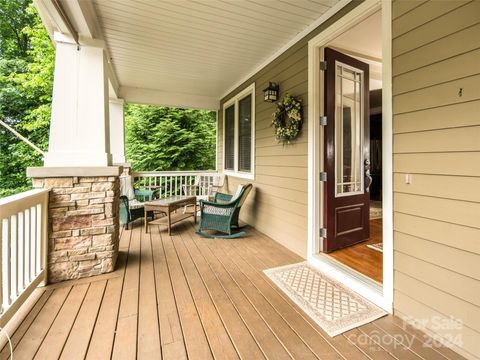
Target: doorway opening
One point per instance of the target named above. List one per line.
(350, 208)
(353, 101)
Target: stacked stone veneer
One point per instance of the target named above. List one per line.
(83, 225)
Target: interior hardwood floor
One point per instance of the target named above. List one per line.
(183, 296)
(361, 258)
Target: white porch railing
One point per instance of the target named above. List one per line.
(170, 183)
(23, 251)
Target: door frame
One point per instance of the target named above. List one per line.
(379, 295)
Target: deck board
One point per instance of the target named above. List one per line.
(292, 342)
(148, 328)
(308, 334)
(217, 335)
(192, 328)
(267, 340)
(52, 344)
(171, 337)
(79, 338)
(242, 338)
(182, 296)
(33, 338)
(25, 325)
(125, 342)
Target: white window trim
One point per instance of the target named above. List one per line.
(250, 90)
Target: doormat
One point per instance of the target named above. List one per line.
(376, 247)
(334, 307)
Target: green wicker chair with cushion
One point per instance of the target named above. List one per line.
(131, 210)
(131, 201)
(222, 214)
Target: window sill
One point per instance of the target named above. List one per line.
(241, 175)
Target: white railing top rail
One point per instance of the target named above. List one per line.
(13, 204)
(172, 173)
(169, 183)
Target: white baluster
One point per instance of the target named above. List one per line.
(33, 237)
(26, 264)
(13, 257)
(38, 244)
(21, 252)
(6, 263)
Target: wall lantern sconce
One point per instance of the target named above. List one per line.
(270, 94)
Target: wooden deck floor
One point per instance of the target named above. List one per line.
(187, 297)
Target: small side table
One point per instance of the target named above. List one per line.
(168, 206)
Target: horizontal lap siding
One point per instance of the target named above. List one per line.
(436, 106)
(277, 205)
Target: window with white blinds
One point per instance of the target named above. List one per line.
(230, 138)
(245, 134)
(239, 132)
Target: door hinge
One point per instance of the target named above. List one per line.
(323, 232)
(323, 120)
(323, 176)
(323, 65)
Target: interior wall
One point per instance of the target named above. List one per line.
(277, 205)
(436, 124)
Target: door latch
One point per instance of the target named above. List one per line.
(323, 176)
(323, 232)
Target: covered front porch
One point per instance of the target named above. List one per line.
(183, 296)
(76, 284)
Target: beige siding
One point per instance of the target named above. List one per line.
(278, 203)
(436, 106)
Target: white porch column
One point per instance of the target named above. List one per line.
(117, 131)
(79, 128)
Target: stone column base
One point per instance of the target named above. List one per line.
(83, 221)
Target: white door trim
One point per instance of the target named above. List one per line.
(381, 296)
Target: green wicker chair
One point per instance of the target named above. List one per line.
(131, 210)
(222, 214)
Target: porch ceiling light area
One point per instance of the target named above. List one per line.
(201, 48)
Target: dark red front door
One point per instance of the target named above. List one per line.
(346, 197)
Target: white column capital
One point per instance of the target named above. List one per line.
(59, 37)
(116, 101)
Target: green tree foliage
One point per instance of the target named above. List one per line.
(26, 79)
(157, 138)
(166, 139)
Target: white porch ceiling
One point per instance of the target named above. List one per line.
(186, 53)
(200, 48)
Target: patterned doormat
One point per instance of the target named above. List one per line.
(330, 304)
(377, 247)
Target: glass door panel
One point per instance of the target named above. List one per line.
(348, 130)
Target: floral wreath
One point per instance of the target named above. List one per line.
(287, 119)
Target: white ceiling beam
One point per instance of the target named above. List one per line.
(165, 98)
(52, 19)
